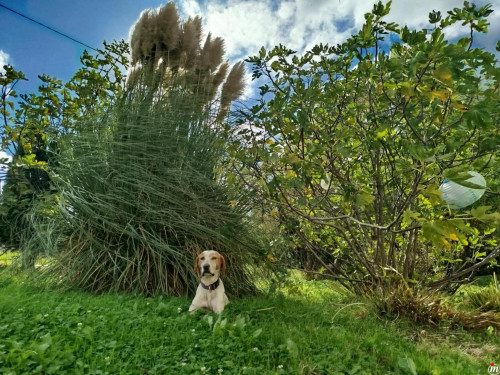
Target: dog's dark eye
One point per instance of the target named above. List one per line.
(214, 258)
(202, 258)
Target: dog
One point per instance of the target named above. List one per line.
(210, 294)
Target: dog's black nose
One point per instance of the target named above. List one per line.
(206, 267)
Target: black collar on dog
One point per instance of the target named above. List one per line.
(211, 286)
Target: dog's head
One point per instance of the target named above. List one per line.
(210, 263)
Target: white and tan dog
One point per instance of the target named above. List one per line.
(210, 294)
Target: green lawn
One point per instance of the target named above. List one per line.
(307, 330)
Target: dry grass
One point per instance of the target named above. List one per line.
(427, 309)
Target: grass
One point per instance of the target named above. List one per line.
(140, 194)
(483, 294)
(6, 259)
(307, 330)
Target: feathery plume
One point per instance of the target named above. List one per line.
(203, 60)
(212, 53)
(167, 29)
(190, 40)
(218, 78)
(234, 86)
(173, 51)
(141, 42)
(217, 51)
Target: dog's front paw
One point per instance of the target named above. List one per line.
(218, 310)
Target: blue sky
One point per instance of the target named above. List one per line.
(36, 50)
(246, 25)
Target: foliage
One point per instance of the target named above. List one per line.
(349, 144)
(294, 285)
(40, 118)
(36, 129)
(53, 332)
(7, 258)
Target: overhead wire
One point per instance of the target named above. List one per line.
(58, 32)
(48, 27)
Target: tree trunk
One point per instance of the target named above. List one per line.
(391, 256)
(412, 249)
(407, 254)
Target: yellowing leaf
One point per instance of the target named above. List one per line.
(433, 194)
(443, 74)
(440, 94)
(459, 106)
(409, 216)
(364, 198)
(453, 237)
(491, 218)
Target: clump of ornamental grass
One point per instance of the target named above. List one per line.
(141, 195)
(141, 187)
(426, 308)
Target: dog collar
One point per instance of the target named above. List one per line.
(211, 286)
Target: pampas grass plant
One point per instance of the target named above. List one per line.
(139, 198)
(141, 187)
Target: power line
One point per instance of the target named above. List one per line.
(50, 28)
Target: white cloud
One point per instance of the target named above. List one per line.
(4, 59)
(4, 166)
(190, 8)
(4, 160)
(246, 25)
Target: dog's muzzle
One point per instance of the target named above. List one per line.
(206, 271)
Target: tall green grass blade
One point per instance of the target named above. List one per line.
(139, 198)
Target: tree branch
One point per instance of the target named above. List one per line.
(447, 280)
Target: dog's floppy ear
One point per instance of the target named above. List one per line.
(222, 265)
(197, 265)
